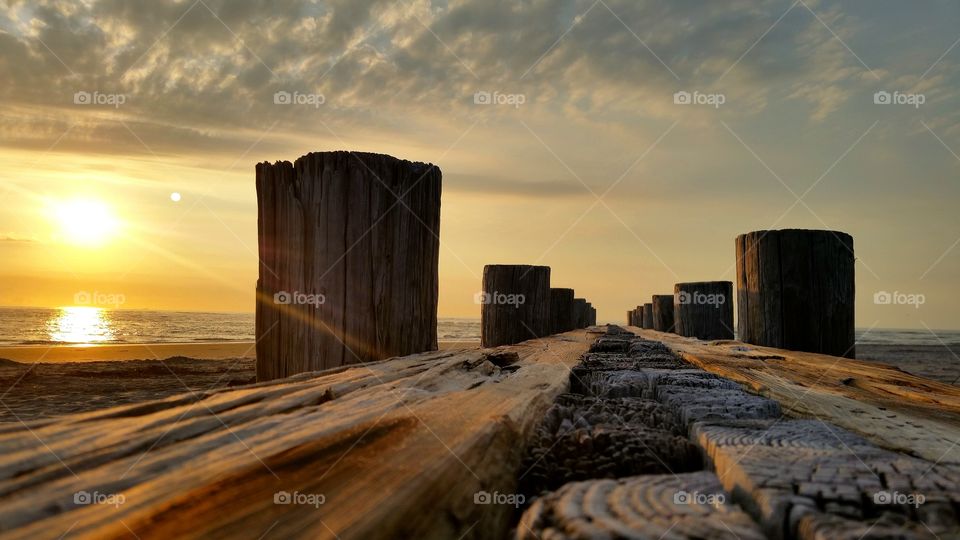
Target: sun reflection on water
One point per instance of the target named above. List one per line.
(80, 325)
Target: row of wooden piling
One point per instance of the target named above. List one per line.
(346, 277)
(518, 304)
(795, 290)
(702, 309)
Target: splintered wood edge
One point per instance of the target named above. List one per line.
(892, 408)
(382, 443)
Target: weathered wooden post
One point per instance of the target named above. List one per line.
(561, 310)
(593, 316)
(516, 304)
(647, 316)
(638, 316)
(796, 290)
(579, 312)
(630, 317)
(663, 312)
(704, 309)
(347, 274)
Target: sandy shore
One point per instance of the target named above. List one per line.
(42, 382)
(931, 361)
(37, 382)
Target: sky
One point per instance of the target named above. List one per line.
(803, 114)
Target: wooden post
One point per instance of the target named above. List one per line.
(579, 312)
(589, 315)
(638, 316)
(516, 304)
(630, 317)
(593, 316)
(796, 290)
(347, 274)
(663, 312)
(648, 316)
(704, 309)
(561, 310)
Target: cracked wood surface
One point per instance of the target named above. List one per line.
(395, 448)
(892, 408)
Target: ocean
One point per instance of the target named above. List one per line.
(71, 326)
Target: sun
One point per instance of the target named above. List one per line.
(85, 222)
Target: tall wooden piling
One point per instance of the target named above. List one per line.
(663, 312)
(638, 316)
(516, 304)
(704, 309)
(796, 290)
(347, 274)
(629, 317)
(561, 310)
(648, 316)
(593, 316)
(579, 312)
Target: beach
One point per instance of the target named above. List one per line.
(43, 382)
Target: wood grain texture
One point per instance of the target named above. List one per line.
(641, 507)
(580, 312)
(704, 309)
(891, 408)
(796, 290)
(398, 449)
(561, 310)
(647, 320)
(340, 287)
(516, 304)
(663, 312)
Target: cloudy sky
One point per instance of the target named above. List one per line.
(584, 161)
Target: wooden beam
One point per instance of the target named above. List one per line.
(395, 448)
(891, 408)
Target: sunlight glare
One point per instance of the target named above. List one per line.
(80, 325)
(85, 222)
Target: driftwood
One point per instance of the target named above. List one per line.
(516, 304)
(349, 246)
(795, 290)
(397, 448)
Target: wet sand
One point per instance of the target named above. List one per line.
(935, 362)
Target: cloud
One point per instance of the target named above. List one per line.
(201, 78)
